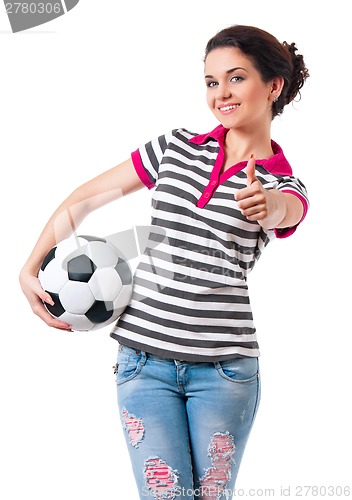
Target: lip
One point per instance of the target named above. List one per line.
(226, 109)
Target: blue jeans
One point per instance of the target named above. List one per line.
(186, 423)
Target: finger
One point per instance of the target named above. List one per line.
(250, 170)
(255, 213)
(257, 216)
(36, 298)
(45, 297)
(43, 314)
(249, 192)
(251, 202)
(34, 287)
(244, 193)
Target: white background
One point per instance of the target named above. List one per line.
(78, 94)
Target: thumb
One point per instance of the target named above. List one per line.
(250, 170)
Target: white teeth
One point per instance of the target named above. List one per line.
(228, 108)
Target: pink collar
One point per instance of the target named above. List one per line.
(276, 164)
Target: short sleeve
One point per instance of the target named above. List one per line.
(147, 159)
(292, 185)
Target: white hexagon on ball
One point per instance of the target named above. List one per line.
(105, 284)
(102, 254)
(53, 277)
(76, 297)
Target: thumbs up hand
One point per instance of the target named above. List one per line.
(257, 203)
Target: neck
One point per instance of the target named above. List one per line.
(240, 145)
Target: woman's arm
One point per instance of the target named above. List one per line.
(110, 185)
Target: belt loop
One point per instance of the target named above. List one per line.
(144, 357)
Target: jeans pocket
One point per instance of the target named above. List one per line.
(238, 370)
(129, 364)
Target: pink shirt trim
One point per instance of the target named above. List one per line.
(138, 165)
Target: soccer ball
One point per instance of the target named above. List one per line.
(89, 281)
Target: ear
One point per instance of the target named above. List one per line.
(276, 86)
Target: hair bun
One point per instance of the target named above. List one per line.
(299, 72)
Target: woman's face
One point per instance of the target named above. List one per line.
(236, 93)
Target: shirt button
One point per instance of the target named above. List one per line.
(213, 183)
(207, 195)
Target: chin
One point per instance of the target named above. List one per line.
(228, 123)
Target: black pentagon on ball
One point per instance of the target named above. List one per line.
(100, 311)
(48, 258)
(80, 268)
(57, 308)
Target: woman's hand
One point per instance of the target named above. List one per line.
(35, 294)
(270, 207)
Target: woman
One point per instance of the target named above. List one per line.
(187, 367)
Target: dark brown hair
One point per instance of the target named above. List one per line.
(270, 57)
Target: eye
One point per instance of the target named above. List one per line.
(237, 79)
(211, 84)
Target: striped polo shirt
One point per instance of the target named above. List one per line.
(190, 299)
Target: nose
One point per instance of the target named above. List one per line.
(223, 92)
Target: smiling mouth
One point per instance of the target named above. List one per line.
(226, 109)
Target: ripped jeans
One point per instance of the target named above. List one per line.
(186, 423)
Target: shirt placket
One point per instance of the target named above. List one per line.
(214, 179)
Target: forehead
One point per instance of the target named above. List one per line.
(224, 58)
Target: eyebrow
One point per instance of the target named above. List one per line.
(229, 71)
